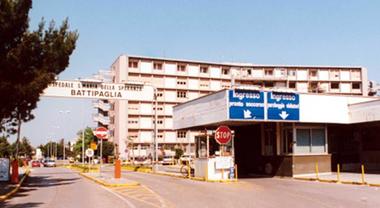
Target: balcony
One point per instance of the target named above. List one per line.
(102, 105)
(101, 119)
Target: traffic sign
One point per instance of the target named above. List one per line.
(223, 135)
(246, 104)
(101, 132)
(93, 145)
(89, 152)
(283, 106)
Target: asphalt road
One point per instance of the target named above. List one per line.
(259, 192)
(59, 187)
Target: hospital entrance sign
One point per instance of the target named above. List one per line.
(246, 104)
(94, 89)
(283, 106)
(260, 105)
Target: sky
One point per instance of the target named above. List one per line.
(331, 32)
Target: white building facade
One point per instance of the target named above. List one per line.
(131, 122)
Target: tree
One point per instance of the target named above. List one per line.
(29, 61)
(88, 138)
(5, 147)
(25, 148)
(108, 149)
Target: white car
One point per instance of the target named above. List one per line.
(168, 160)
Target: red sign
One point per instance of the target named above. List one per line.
(101, 132)
(223, 135)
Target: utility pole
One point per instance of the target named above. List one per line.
(63, 144)
(155, 128)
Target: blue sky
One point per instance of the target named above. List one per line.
(263, 32)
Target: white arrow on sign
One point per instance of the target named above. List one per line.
(283, 115)
(247, 114)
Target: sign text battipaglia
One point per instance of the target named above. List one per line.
(95, 90)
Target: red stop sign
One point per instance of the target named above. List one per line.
(101, 132)
(223, 135)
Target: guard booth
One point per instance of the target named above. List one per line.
(280, 132)
(214, 158)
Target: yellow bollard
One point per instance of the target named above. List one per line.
(338, 173)
(236, 172)
(206, 173)
(316, 171)
(188, 169)
(363, 180)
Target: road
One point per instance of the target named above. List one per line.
(58, 187)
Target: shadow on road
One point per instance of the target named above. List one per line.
(22, 205)
(33, 183)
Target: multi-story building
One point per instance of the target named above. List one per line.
(131, 122)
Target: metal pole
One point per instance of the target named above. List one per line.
(63, 144)
(101, 156)
(83, 146)
(155, 127)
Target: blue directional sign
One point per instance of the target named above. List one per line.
(283, 106)
(246, 104)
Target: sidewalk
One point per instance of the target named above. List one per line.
(108, 180)
(7, 188)
(355, 178)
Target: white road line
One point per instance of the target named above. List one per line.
(129, 203)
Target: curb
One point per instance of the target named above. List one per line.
(98, 181)
(180, 176)
(9, 194)
(337, 182)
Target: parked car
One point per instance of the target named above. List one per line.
(168, 160)
(49, 163)
(184, 159)
(36, 163)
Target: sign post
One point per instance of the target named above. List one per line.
(89, 154)
(223, 135)
(101, 133)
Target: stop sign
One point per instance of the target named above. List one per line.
(101, 132)
(223, 135)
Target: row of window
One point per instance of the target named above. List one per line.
(180, 134)
(334, 73)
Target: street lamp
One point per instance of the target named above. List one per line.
(63, 139)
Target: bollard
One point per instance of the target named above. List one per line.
(316, 171)
(338, 173)
(206, 173)
(363, 180)
(117, 168)
(188, 169)
(236, 172)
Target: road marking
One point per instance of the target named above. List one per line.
(129, 203)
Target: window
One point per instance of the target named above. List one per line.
(313, 73)
(310, 140)
(181, 134)
(159, 122)
(268, 72)
(160, 94)
(292, 72)
(157, 66)
(249, 71)
(268, 84)
(132, 121)
(181, 94)
(225, 71)
(292, 85)
(335, 85)
(181, 82)
(133, 63)
(181, 68)
(356, 86)
(204, 69)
